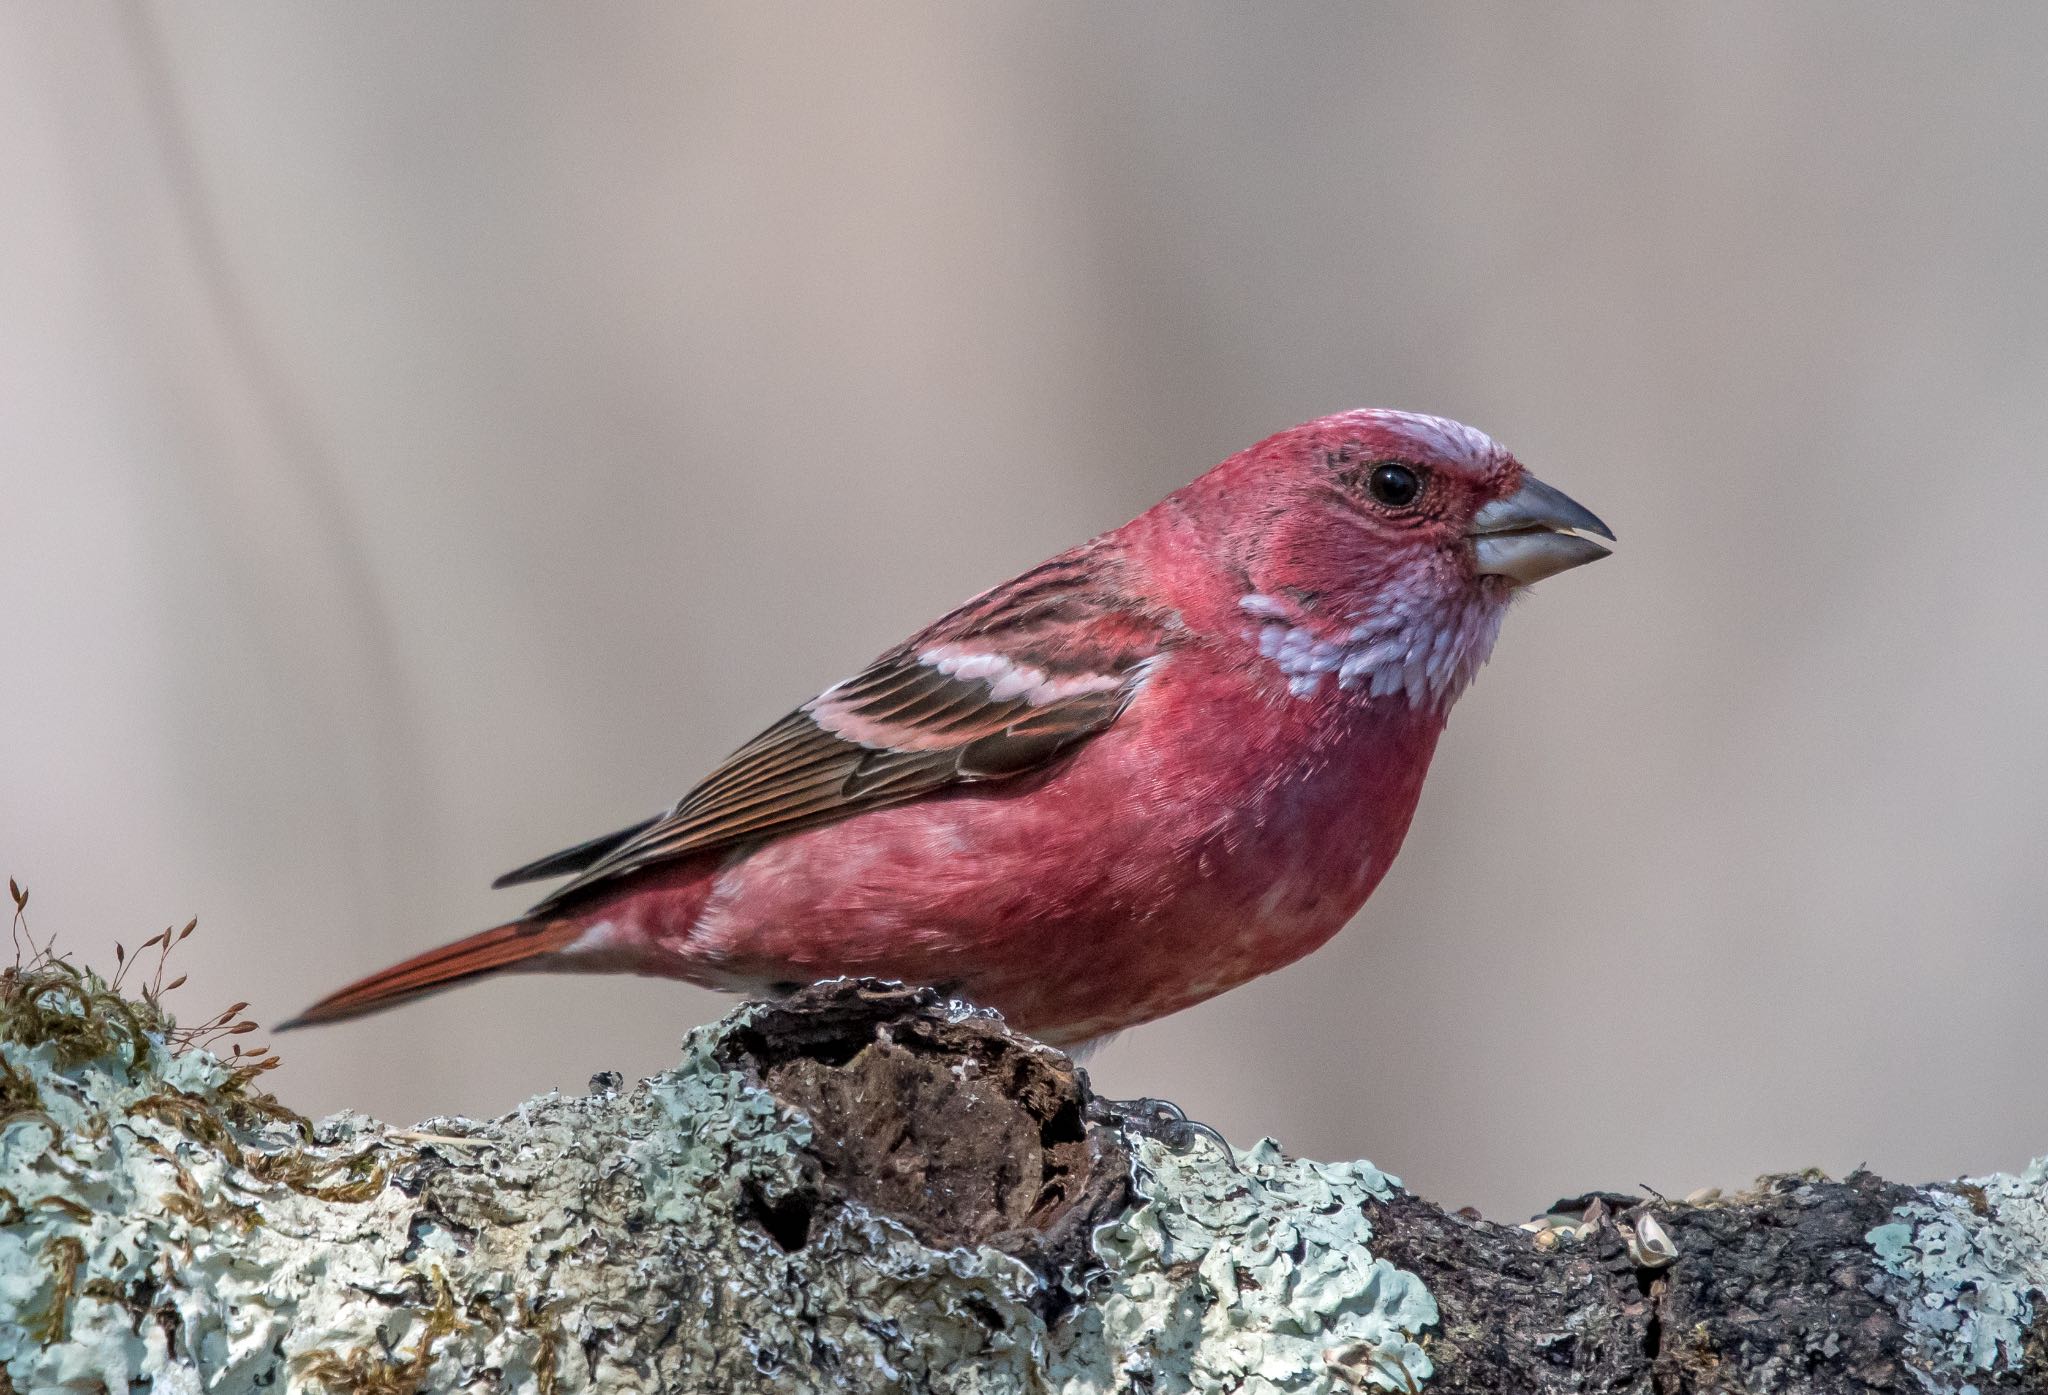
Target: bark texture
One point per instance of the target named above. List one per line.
(869, 1189)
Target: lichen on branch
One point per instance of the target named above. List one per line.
(867, 1188)
(962, 1226)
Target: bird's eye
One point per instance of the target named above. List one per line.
(1396, 486)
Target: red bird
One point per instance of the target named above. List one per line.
(1170, 760)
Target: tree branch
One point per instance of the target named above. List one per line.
(867, 1189)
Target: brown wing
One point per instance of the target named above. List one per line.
(1001, 686)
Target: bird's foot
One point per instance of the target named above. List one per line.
(1167, 1123)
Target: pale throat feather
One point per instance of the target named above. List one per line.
(1411, 642)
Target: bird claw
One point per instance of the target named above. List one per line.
(1165, 1122)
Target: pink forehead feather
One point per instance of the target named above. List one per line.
(1442, 438)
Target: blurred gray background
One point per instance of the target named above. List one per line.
(434, 434)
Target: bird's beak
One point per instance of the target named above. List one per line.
(1534, 533)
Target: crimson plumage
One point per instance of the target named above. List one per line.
(1167, 761)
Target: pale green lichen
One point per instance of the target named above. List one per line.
(1255, 1277)
(159, 1232)
(1969, 1262)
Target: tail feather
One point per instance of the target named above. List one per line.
(500, 947)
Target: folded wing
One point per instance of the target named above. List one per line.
(1011, 681)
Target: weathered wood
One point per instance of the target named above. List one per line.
(868, 1189)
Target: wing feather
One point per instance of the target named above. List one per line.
(1068, 644)
(573, 859)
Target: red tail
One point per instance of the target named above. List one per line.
(498, 948)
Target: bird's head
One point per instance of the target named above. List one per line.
(1378, 549)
